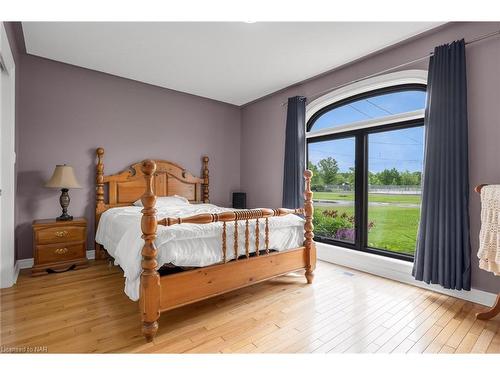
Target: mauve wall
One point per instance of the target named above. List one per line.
(68, 111)
(263, 122)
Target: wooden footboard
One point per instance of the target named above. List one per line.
(170, 291)
(191, 286)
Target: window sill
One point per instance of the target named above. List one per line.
(394, 269)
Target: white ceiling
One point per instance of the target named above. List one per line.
(234, 62)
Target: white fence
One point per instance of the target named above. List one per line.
(376, 189)
(395, 189)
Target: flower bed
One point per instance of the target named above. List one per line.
(330, 223)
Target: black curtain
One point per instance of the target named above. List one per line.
(295, 148)
(443, 247)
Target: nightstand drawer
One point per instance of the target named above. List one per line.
(65, 233)
(59, 253)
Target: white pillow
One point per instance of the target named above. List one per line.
(174, 200)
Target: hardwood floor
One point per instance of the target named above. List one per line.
(343, 311)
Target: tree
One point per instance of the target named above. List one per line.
(410, 178)
(351, 175)
(316, 178)
(328, 168)
(373, 178)
(344, 178)
(389, 177)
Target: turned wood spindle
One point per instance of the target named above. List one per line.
(247, 239)
(267, 235)
(100, 177)
(205, 180)
(235, 239)
(308, 228)
(224, 249)
(150, 278)
(257, 234)
(100, 205)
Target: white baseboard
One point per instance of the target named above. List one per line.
(394, 269)
(17, 268)
(28, 263)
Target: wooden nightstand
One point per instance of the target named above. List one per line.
(59, 246)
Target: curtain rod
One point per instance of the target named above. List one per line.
(317, 95)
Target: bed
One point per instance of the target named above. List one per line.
(156, 221)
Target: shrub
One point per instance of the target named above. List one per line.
(329, 223)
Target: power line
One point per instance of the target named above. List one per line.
(360, 111)
(379, 107)
(396, 144)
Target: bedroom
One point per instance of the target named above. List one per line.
(179, 142)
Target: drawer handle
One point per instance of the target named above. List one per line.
(62, 250)
(62, 233)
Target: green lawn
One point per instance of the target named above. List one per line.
(395, 227)
(373, 197)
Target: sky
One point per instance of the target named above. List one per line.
(400, 149)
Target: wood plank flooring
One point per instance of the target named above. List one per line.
(344, 311)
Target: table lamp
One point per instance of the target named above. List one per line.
(63, 178)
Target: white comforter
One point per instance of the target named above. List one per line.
(185, 245)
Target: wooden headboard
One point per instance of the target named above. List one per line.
(124, 188)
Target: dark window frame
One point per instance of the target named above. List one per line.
(361, 167)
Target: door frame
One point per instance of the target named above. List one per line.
(7, 162)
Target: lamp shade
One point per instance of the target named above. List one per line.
(63, 178)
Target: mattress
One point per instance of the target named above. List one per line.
(185, 245)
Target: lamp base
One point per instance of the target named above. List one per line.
(64, 217)
(64, 201)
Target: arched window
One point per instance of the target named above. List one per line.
(365, 147)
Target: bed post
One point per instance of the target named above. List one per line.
(205, 180)
(100, 206)
(150, 278)
(309, 227)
